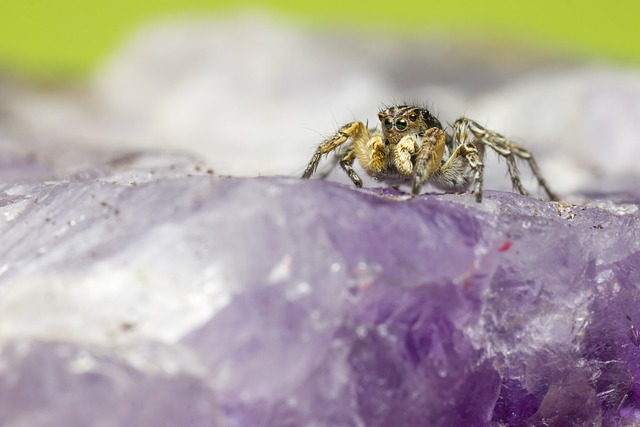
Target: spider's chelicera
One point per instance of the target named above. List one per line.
(414, 148)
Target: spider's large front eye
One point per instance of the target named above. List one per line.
(387, 124)
(401, 124)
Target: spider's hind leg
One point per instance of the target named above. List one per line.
(515, 174)
(505, 148)
(526, 155)
(474, 159)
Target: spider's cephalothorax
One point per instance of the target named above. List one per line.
(414, 148)
(398, 122)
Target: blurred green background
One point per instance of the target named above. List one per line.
(70, 37)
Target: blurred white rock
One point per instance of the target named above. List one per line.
(254, 95)
(584, 121)
(248, 94)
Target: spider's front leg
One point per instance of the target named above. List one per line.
(355, 130)
(428, 158)
(347, 166)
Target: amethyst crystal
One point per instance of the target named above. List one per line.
(149, 292)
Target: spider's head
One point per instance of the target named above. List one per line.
(405, 120)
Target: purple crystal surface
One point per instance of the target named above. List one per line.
(171, 296)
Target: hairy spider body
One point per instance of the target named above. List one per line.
(413, 148)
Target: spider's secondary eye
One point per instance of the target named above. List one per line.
(387, 124)
(413, 117)
(401, 124)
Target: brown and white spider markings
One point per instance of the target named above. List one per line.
(413, 148)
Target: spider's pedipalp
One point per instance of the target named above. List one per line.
(371, 153)
(403, 152)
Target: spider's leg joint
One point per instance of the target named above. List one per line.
(470, 152)
(347, 166)
(350, 130)
(466, 130)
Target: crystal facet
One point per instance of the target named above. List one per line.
(135, 297)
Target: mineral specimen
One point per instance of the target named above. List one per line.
(149, 292)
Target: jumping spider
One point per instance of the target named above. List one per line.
(414, 148)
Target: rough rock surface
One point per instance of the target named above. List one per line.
(149, 291)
